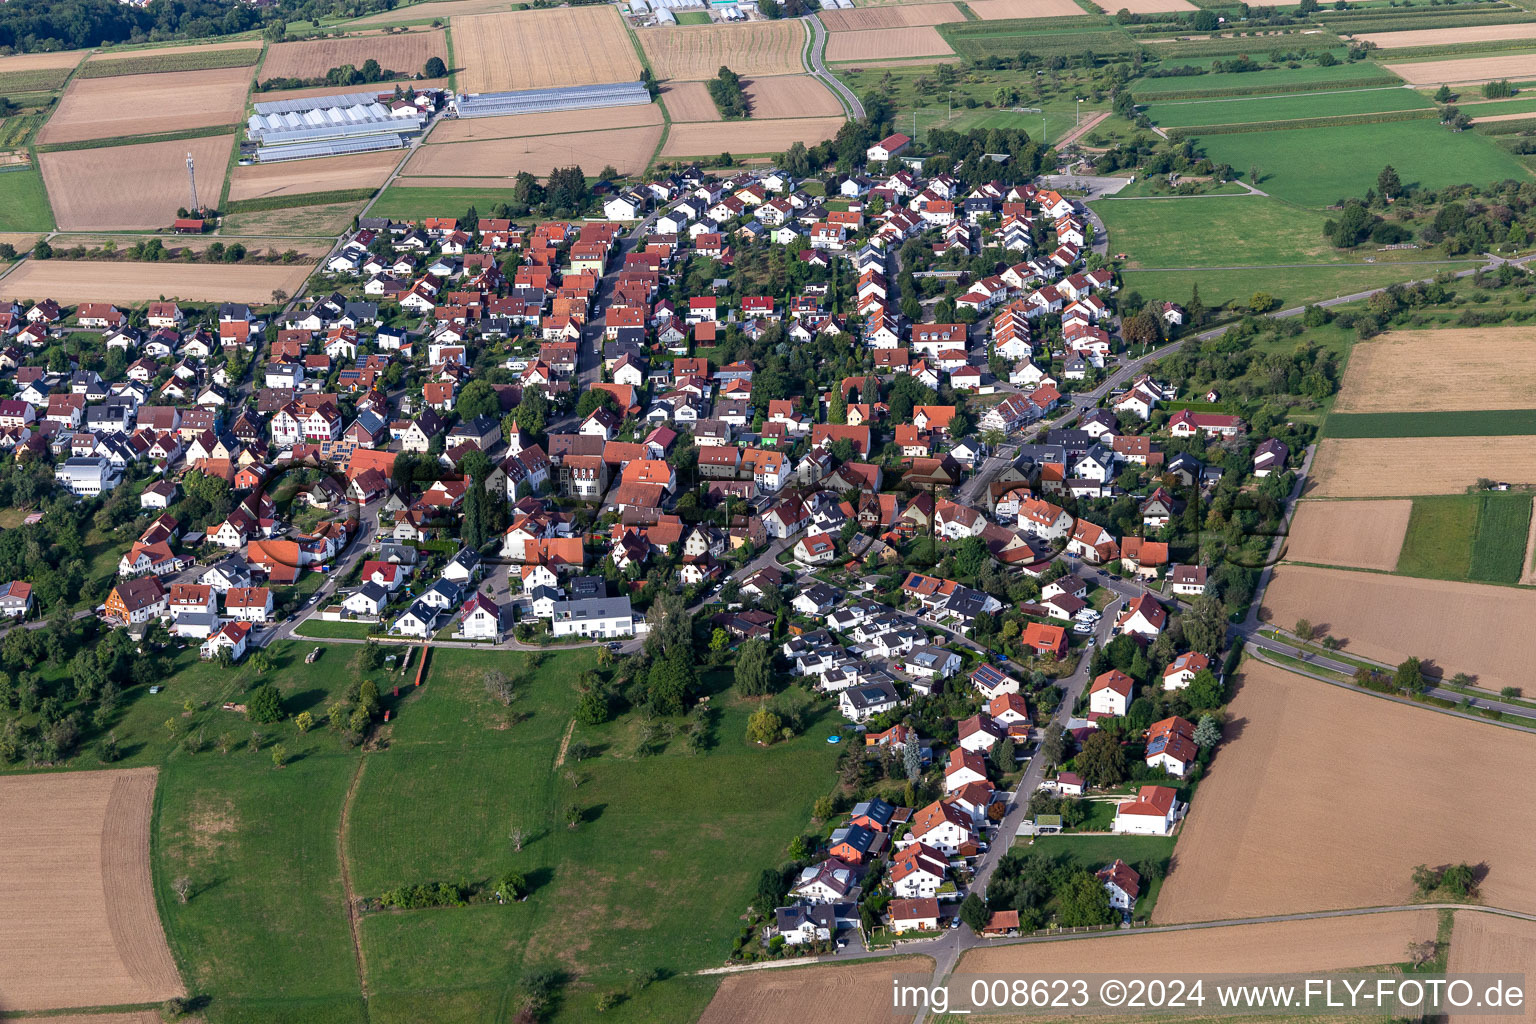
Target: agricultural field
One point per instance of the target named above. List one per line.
(1008, 10)
(81, 925)
(36, 72)
(983, 39)
(1233, 230)
(1489, 943)
(435, 9)
(1357, 851)
(516, 126)
(1317, 167)
(330, 90)
(207, 56)
(1463, 69)
(743, 137)
(1348, 467)
(104, 108)
(1336, 944)
(865, 18)
(1478, 537)
(1461, 627)
(628, 150)
(923, 41)
(129, 187)
(1447, 36)
(789, 96)
(24, 202)
(831, 994)
(1341, 76)
(1487, 368)
(1146, 6)
(543, 49)
(135, 283)
(325, 174)
(1357, 534)
(696, 53)
(1284, 107)
(689, 101)
(403, 52)
(415, 202)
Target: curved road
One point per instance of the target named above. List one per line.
(814, 64)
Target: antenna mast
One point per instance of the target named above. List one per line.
(192, 183)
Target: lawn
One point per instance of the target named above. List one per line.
(1232, 230)
(1284, 107)
(1438, 544)
(692, 18)
(1255, 82)
(653, 879)
(400, 203)
(24, 202)
(322, 629)
(1464, 423)
(1147, 854)
(1317, 167)
(1292, 286)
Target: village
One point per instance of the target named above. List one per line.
(476, 433)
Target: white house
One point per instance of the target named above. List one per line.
(480, 618)
(1154, 812)
(963, 768)
(914, 915)
(368, 600)
(1110, 693)
(594, 616)
(416, 621)
(1123, 883)
(1181, 670)
(943, 827)
(917, 871)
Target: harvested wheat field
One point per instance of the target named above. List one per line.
(543, 49)
(434, 9)
(689, 101)
(738, 137)
(627, 149)
(696, 52)
(1145, 6)
(1475, 628)
(325, 174)
(1310, 808)
(1361, 534)
(141, 1017)
(404, 52)
(1327, 945)
(1446, 36)
(1490, 944)
(1000, 10)
(852, 994)
(516, 126)
(130, 187)
(1467, 69)
(102, 108)
(43, 61)
(790, 96)
(135, 283)
(923, 41)
(1471, 367)
(80, 926)
(1388, 467)
(865, 18)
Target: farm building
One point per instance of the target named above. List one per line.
(328, 126)
(544, 101)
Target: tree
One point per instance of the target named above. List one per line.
(754, 668)
(1205, 625)
(265, 705)
(1410, 677)
(1053, 746)
(771, 890)
(1444, 94)
(513, 886)
(303, 721)
(763, 726)
(592, 708)
(279, 755)
(1208, 732)
(434, 68)
(719, 640)
(1082, 900)
(573, 816)
(1003, 756)
(182, 887)
(973, 911)
(480, 399)
(518, 835)
(1388, 183)
(1102, 760)
(911, 760)
(1305, 629)
(532, 411)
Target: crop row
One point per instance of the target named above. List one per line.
(155, 63)
(350, 195)
(1177, 134)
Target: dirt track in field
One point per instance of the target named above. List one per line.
(1446, 36)
(1379, 467)
(171, 101)
(693, 53)
(1476, 628)
(738, 137)
(921, 41)
(80, 926)
(1314, 803)
(516, 126)
(1336, 944)
(405, 52)
(863, 19)
(1441, 371)
(325, 174)
(1361, 534)
(135, 283)
(543, 49)
(1003, 10)
(1465, 69)
(627, 149)
(129, 187)
(834, 994)
(1485, 943)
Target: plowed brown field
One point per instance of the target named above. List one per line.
(326, 174)
(1361, 534)
(543, 49)
(689, 101)
(627, 149)
(696, 52)
(737, 137)
(1488, 944)
(1446, 36)
(789, 96)
(135, 283)
(922, 41)
(40, 61)
(101, 108)
(1325, 767)
(129, 187)
(405, 52)
(1466, 69)
(1469, 367)
(516, 126)
(852, 994)
(865, 18)
(999, 10)
(1383, 467)
(80, 926)
(1462, 627)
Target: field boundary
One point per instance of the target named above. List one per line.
(350, 195)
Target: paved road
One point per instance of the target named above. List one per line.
(819, 69)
